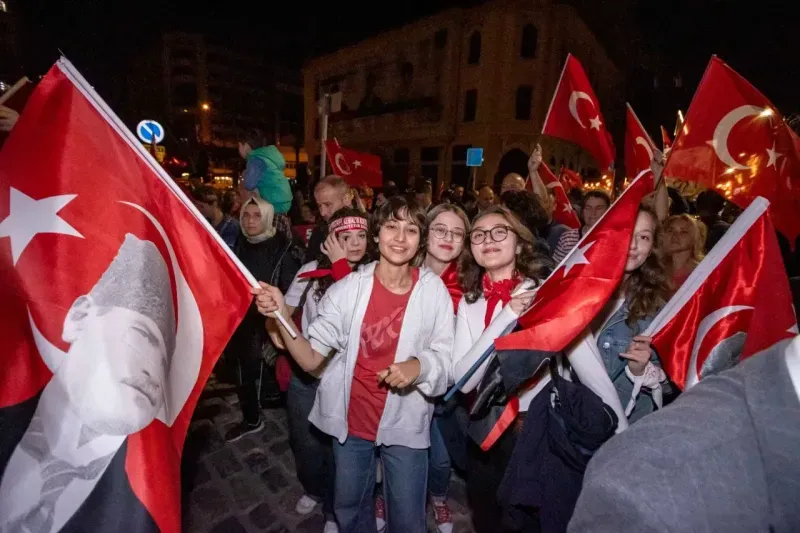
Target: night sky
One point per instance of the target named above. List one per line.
(759, 39)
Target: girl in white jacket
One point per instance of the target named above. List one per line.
(388, 329)
(501, 262)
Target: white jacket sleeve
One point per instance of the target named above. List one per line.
(434, 360)
(328, 331)
(466, 352)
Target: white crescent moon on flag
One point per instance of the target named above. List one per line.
(339, 159)
(702, 330)
(643, 142)
(719, 141)
(188, 354)
(573, 105)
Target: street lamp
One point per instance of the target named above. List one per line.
(205, 106)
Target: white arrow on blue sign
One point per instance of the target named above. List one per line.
(149, 131)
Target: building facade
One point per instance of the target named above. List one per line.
(11, 68)
(421, 95)
(208, 96)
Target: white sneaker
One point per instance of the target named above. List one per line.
(330, 527)
(305, 505)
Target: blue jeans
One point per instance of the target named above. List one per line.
(405, 473)
(438, 462)
(311, 447)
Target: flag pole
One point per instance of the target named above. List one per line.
(114, 121)
(555, 91)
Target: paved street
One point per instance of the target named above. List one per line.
(250, 486)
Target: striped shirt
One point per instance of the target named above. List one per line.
(566, 243)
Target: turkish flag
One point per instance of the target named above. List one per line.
(574, 115)
(570, 179)
(356, 168)
(117, 300)
(638, 145)
(735, 141)
(563, 307)
(736, 303)
(666, 142)
(562, 212)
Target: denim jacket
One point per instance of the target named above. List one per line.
(613, 340)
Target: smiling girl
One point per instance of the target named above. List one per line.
(388, 332)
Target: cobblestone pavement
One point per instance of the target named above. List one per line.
(250, 486)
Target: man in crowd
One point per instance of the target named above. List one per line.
(264, 174)
(458, 194)
(595, 203)
(331, 193)
(208, 203)
(709, 206)
(424, 195)
(512, 182)
(485, 198)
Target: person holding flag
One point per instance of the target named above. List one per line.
(385, 334)
(499, 274)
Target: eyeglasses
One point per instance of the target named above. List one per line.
(440, 232)
(497, 233)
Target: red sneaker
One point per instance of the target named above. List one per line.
(380, 514)
(443, 517)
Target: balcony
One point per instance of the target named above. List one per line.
(387, 118)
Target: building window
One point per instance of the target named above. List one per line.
(530, 38)
(440, 39)
(402, 156)
(459, 171)
(524, 101)
(182, 70)
(184, 95)
(474, 53)
(470, 105)
(429, 161)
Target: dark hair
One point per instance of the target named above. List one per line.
(201, 193)
(709, 201)
(647, 288)
(575, 195)
(323, 284)
(527, 208)
(446, 197)
(528, 262)
(398, 208)
(255, 138)
(598, 194)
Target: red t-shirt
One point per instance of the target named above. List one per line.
(378, 345)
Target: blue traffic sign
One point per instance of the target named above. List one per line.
(150, 131)
(474, 157)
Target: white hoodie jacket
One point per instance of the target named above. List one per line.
(426, 333)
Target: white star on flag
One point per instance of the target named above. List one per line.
(28, 217)
(577, 257)
(356, 163)
(773, 156)
(567, 208)
(595, 123)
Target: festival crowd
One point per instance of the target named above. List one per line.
(392, 291)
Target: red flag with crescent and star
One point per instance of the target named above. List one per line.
(666, 142)
(562, 211)
(570, 179)
(638, 145)
(568, 300)
(735, 141)
(117, 300)
(574, 115)
(357, 168)
(735, 303)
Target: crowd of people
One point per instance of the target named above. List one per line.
(391, 293)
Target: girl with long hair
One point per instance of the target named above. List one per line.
(384, 335)
(448, 227)
(344, 250)
(644, 290)
(500, 272)
(684, 247)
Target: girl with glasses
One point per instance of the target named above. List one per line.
(384, 336)
(500, 273)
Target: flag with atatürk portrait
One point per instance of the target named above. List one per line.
(116, 300)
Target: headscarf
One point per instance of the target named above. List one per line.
(267, 219)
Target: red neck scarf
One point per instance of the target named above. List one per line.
(450, 278)
(497, 292)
